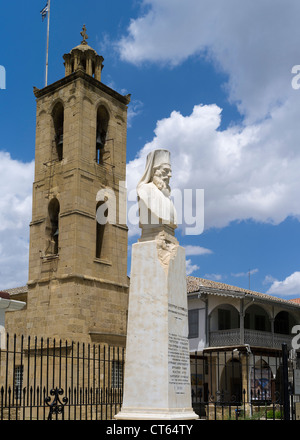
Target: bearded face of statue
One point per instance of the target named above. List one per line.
(161, 179)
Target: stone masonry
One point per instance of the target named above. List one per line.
(72, 293)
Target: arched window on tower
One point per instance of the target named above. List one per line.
(52, 227)
(102, 126)
(58, 122)
(101, 216)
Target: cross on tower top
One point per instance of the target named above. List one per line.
(84, 35)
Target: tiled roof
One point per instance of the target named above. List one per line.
(16, 290)
(195, 284)
(295, 300)
(4, 295)
(200, 284)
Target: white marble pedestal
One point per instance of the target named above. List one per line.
(157, 367)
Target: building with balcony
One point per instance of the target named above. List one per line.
(223, 315)
(238, 334)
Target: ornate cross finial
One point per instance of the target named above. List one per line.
(84, 35)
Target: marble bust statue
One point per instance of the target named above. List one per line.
(155, 204)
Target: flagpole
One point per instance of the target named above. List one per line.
(47, 53)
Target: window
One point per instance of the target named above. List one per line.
(193, 323)
(101, 213)
(224, 319)
(281, 323)
(117, 374)
(58, 122)
(247, 320)
(18, 381)
(256, 318)
(102, 126)
(52, 228)
(260, 322)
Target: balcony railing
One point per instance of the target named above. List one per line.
(252, 337)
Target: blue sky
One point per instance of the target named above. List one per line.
(210, 81)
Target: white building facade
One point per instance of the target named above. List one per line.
(236, 339)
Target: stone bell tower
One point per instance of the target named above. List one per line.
(78, 285)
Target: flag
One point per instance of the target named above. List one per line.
(44, 12)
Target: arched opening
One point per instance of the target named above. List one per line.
(231, 382)
(262, 387)
(256, 318)
(58, 123)
(283, 323)
(102, 127)
(224, 317)
(52, 227)
(101, 219)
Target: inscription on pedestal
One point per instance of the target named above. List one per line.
(178, 356)
(178, 352)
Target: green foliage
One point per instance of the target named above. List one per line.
(273, 414)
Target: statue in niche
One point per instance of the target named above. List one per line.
(155, 204)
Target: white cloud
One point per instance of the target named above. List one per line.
(190, 268)
(196, 250)
(213, 276)
(191, 250)
(245, 274)
(247, 172)
(134, 109)
(15, 214)
(269, 279)
(290, 286)
(255, 43)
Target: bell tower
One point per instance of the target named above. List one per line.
(78, 285)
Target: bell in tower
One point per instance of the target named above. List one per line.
(102, 126)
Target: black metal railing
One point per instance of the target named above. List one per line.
(233, 383)
(49, 379)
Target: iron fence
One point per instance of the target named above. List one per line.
(48, 379)
(52, 379)
(240, 382)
